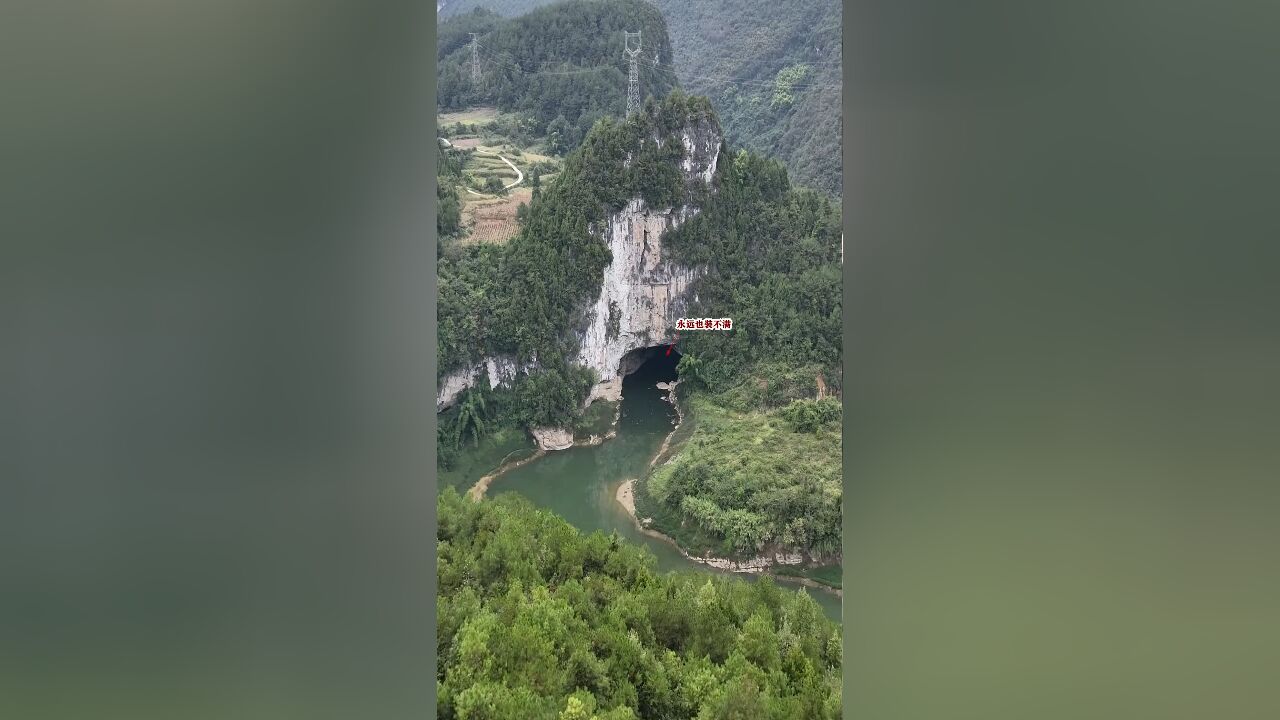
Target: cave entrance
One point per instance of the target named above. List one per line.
(648, 366)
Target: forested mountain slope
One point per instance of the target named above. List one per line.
(772, 254)
(509, 8)
(562, 65)
(771, 70)
(538, 622)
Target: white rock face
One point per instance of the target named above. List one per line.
(701, 152)
(752, 565)
(643, 293)
(497, 370)
(552, 438)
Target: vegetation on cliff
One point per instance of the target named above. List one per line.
(536, 621)
(774, 258)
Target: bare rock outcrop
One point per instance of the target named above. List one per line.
(552, 438)
(498, 371)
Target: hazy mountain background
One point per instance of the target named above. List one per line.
(771, 70)
(560, 66)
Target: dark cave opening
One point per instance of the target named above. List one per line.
(649, 366)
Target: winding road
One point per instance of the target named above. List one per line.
(519, 175)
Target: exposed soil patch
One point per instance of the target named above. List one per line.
(493, 219)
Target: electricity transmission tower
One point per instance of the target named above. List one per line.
(633, 72)
(475, 60)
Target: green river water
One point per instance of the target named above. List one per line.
(580, 483)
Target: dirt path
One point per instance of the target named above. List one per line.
(519, 175)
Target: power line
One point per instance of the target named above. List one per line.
(757, 83)
(515, 67)
(748, 82)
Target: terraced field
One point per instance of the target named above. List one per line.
(490, 217)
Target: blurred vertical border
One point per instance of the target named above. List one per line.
(217, 335)
(433, 323)
(1061, 454)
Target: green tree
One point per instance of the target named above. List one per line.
(580, 706)
(758, 642)
(448, 208)
(470, 416)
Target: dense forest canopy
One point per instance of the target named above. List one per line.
(508, 8)
(772, 71)
(536, 621)
(561, 65)
(775, 256)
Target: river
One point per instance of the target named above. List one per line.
(580, 483)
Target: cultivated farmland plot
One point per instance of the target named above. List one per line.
(493, 220)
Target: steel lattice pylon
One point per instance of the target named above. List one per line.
(475, 60)
(633, 70)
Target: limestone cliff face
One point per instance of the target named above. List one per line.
(642, 294)
(497, 371)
